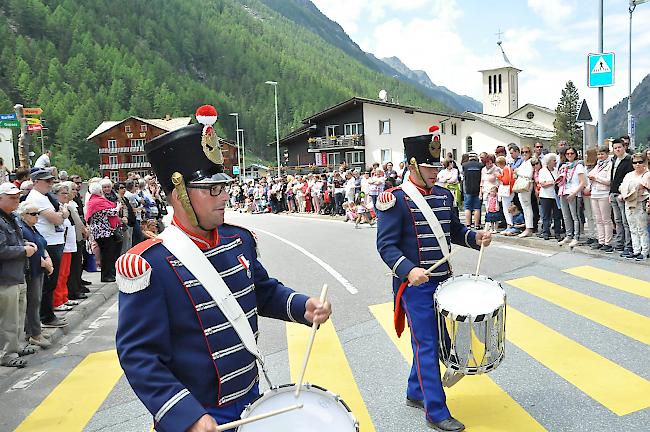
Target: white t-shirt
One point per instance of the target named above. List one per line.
(43, 161)
(544, 177)
(52, 234)
(70, 238)
(573, 179)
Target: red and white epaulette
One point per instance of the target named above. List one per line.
(385, 201)
(132, 271)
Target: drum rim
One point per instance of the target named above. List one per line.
(469, 318)
(306, 385)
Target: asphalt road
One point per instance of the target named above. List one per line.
(576, 355)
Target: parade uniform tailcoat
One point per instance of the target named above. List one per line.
(179, 353)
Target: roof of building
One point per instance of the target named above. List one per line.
(531, 105)
(521, 128)
(500, 60)
(359, 100)
(164, 124)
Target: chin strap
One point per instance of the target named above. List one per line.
(418, 173)
(181, 190)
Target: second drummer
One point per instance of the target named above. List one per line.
(409, 242)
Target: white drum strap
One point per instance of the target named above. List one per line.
(193, 259)
(412, 191)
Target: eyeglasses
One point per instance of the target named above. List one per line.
(215, 190)
(638, 162)
(33, 214)
(526, 151)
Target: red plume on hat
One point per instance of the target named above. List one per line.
(435, 130)
(207, 115)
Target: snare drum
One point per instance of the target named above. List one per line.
(322, 411)
(471, 313)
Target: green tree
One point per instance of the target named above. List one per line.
(566, 126)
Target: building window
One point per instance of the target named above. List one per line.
(530, 115)
(138, 158)
(354, 158)
(334, 159)
(470, 147)
(143, 128)
(455, 152)
(137, 142)
(384, 127)
(115, 176)
(454, 128)
(386, 156)
(112, 160)
(330, 130)
(442, 128)
(490, 84)
(353, 129)
(127, 128)
(112, 144)
(500, 84)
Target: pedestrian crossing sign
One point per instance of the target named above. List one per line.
(601, 70)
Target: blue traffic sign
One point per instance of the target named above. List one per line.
(235, 169)
(601, 70)
(8, 116)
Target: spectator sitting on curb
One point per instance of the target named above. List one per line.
(518, 222)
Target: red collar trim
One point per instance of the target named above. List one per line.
(202, 242)
(423, 191)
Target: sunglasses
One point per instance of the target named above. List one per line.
(122, 187)
(526, 151)
(538, 147)
(570, 153)
(637, 162)
(34, 214)
(215, 190)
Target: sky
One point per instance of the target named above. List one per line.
(548, 39)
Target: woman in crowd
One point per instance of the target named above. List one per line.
(449, 178)
(103, 221)
(635, 190)
(350, 184)
(489, 177)
(107, 189)
(37, 264)
(60, 299)
(339, 192)
(291, 204)
(572, 180)
(298, 194)
(75, 285)
(525, 171)
(506, 182)
(376, 185)
(317, 193)
(600, 176)
(548, 197)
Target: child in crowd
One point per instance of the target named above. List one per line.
(363, 213)
(492, 216)
(149, 229)
(350, 212)
(518, 223)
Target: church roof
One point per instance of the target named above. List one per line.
(521, 128)
(532, 105)
(500, 60)
(167, 125)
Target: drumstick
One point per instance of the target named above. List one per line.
(238, 423)
(442, 261)
(310, 343)
(480, 257)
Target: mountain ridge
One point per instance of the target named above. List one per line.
(615, 119)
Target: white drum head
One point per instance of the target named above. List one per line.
(322, 411)
(470, 295)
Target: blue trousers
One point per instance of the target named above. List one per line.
(424, 381)
(232, 412)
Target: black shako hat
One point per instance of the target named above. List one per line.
(187, 152)
(424, 150)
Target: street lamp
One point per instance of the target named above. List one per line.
(277, 130)
(633, 5)
(236, 115)
(243, 154)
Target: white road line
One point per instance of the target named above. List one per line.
(25, 383)
(294, 218)
(528, 251)
(328, 268)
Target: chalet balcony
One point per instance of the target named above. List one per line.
(132, 149)
(336, 143)
(129, 165)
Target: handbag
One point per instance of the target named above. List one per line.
(118, 234)
(522, 184)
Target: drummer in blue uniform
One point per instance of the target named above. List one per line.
(410, 239)
(181, 355)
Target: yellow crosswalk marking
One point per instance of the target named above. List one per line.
(476, 400)
(328, 367)
(614, 317)
(611, 279)
(615, 387)
(75, 400)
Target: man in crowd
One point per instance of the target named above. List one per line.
(622, 164)
(191, 366)
(22, 174)
(13, 290)
(43, 160)
(472, 188)
(138, 209)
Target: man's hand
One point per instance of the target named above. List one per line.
(417, 276)
(204, 424)
(30, 250)
(483, 237)
(316, 311)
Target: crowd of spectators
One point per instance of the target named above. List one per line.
(50, 230)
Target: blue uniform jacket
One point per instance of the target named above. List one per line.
(178, 351)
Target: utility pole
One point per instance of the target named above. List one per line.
(601, 90)
(23, 141)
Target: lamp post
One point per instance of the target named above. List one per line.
(277, 130)
(630, 132)
(243, 154)
(236, 115)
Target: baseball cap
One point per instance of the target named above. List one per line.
(41, 174)
(8, 189)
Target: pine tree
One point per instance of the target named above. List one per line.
(566, 126)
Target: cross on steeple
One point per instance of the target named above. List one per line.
(498, 35)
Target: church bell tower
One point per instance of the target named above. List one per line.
(500, 85)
